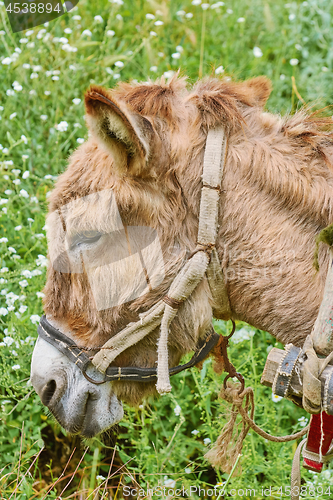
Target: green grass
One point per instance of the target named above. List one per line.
(156, 445)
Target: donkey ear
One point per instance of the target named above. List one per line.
(221, 101)
(125, 134)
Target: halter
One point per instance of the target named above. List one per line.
(203, 262)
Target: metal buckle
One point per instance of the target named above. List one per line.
(96, 382)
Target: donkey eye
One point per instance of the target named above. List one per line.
(84, 237)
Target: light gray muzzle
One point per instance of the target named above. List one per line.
(78, 405)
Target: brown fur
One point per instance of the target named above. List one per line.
(277, 196)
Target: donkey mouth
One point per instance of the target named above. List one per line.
(85, 417)
(83, 424)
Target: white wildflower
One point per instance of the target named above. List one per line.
(3, 311)
(217, 5)
(119, 64)
(23, 283)
(110, 33)
(34, 319)
(16, 367)
(179, 49)
(152, 33)
(189, 15)
(42, 261)
(55, 78)
(67, 31)
(303, 421)
(176, 55)
(294, 62)
(25, 174)
(26, 66)
(241, 20)
(153, 69)
(8, 341)
(207, 441)
(36, 272)
(86, 33)
(276, 398)
(219, 70)
(80, 140)
(22, 309)
(177, 410)
(24, 193)
(150, 16)
(76, 101)
(99, 19)
(168, 74)
(17, 228)
(34, 75)
(257, 52)
(205, 6)
(195, 432)
(41, 33)
(10, 92)
(170, 483)
(40, 295)
(16, 182)
(196, 2)
(6, 61)
(158, 23)
(26, 273)
(62, 126)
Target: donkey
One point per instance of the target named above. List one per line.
(141, 168)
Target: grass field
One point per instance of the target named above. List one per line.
(43, 75)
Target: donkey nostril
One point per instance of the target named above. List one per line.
(48, 392)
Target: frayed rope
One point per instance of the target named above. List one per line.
(229, 444)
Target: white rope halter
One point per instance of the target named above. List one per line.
(204, 261)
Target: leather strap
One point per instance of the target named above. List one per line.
(77, 355)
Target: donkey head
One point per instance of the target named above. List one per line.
(123, 219)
